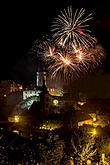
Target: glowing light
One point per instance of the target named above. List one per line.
(103, 157)
(81, 103)
(49, 125)
(16, 118)
(55, 91)
(66, 61)
(80, 56)
(16, 131)
(94, 132)
(20, 87)
(55, 102)
(94, 118)
(88, 162)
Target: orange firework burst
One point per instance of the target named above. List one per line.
(65, 64)
(72, 50)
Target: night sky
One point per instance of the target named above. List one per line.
(23, 23)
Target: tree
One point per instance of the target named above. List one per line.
(83, 148)
(51, 152)
(103, 149)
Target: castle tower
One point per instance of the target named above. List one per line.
(40, 77)
(40, 73)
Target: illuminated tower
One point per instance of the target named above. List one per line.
(40, 77)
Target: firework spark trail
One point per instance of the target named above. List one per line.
(74, 62)
(72, 29)
(71, 51)
(62, 63)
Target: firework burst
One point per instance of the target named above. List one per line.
(72, 50)
(71, 64)
(71, 29)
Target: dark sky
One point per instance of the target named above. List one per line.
(22, 23)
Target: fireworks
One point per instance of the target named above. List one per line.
(72, 50)
(70, 29)
(65, 64)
